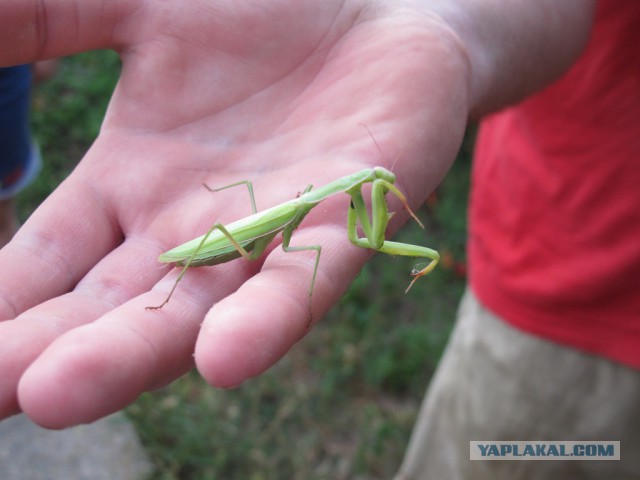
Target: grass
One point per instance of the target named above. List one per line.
(341, 405)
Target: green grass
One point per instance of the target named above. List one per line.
(341, 405)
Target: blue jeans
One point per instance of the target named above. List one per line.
(19, 159)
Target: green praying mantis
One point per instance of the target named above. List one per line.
(250, 236)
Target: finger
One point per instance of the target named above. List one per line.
(62, 240)
(246, 333)
(101, 367)
(25, 338)
(38, 29)
(117, 278)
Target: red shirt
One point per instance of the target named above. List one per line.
(554, 241)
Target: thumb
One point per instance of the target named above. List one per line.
(37, 29)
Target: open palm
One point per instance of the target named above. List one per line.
(210, 92)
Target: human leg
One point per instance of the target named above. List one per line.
(498, 383)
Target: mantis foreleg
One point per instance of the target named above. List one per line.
(374, 230)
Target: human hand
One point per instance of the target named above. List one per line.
(210, 92)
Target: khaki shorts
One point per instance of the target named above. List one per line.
(495, 382)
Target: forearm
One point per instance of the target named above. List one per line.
(514, 47)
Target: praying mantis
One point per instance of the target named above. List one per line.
(250, 236)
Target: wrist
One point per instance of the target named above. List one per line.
(515, 48)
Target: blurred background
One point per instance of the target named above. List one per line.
(342, 404)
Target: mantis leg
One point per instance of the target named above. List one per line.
(258, 247)
(242, 182)
(286, 238)
(375, 229)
